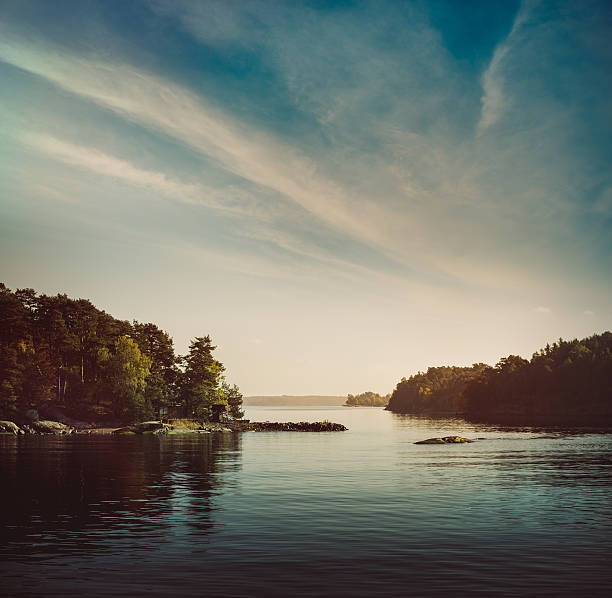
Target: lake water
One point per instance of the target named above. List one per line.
(360, 513)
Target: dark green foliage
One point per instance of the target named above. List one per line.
(234, 400)
(367, 399)
(439, 390)
(164, 373)
(54, 349)
(200, 383)
(15, 350)
(570, 380)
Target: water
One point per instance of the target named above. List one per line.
(358, 513)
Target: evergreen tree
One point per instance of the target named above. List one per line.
(234, 400)
(201, 380)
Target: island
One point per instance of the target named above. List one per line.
(367, 399)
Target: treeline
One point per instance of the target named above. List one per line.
(568, 381)
(367, 399)
(439, 390)
(62, 351)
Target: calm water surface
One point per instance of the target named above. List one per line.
(359, 513)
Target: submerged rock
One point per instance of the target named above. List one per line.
(444, 440)
(7, 427)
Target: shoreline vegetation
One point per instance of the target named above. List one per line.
(568, 382)
(66, 360)
(63, 361)
(68, 367)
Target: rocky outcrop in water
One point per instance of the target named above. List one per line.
(7, 427)
(290, 426)
(230, 426)
(157, 427)
(444, 440)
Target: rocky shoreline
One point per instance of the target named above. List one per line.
(161, 428)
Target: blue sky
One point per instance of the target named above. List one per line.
(341, 194)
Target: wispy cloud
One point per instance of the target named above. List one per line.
(494, 86)
(171, 109)
(101, 163)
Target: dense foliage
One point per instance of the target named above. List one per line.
(367, 399)
(570, 380)
(66, 352)
(438, 390)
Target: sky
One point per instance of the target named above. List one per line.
(339, 193)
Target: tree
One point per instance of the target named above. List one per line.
(234, 400)
(200, 382)
(157, 345)
(125, 372)
(15, 348)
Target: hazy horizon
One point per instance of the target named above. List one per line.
(341, 194)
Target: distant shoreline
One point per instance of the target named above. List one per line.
(294, 401)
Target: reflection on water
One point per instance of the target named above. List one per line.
(359, 513)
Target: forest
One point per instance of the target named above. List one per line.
(367, 399)
(439, 390)
(567, 381)
(66, 352)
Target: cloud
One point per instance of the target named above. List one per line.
(494, 99)
(542, 310)
(588, 312)
(159, 104)
(100, 163)
(371, 162)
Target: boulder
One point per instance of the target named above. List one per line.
(51, 413)
(449, 439)
(51, 427)
(151, 426)
(7, 427)
(141, 428)
(444, 440)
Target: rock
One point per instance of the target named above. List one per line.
(449, 439)
(444, 440)
(55, 414)
(324, 426)
(151, 426)
(51, 427)
(7, 427)
(431, 441)
(141, 428)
